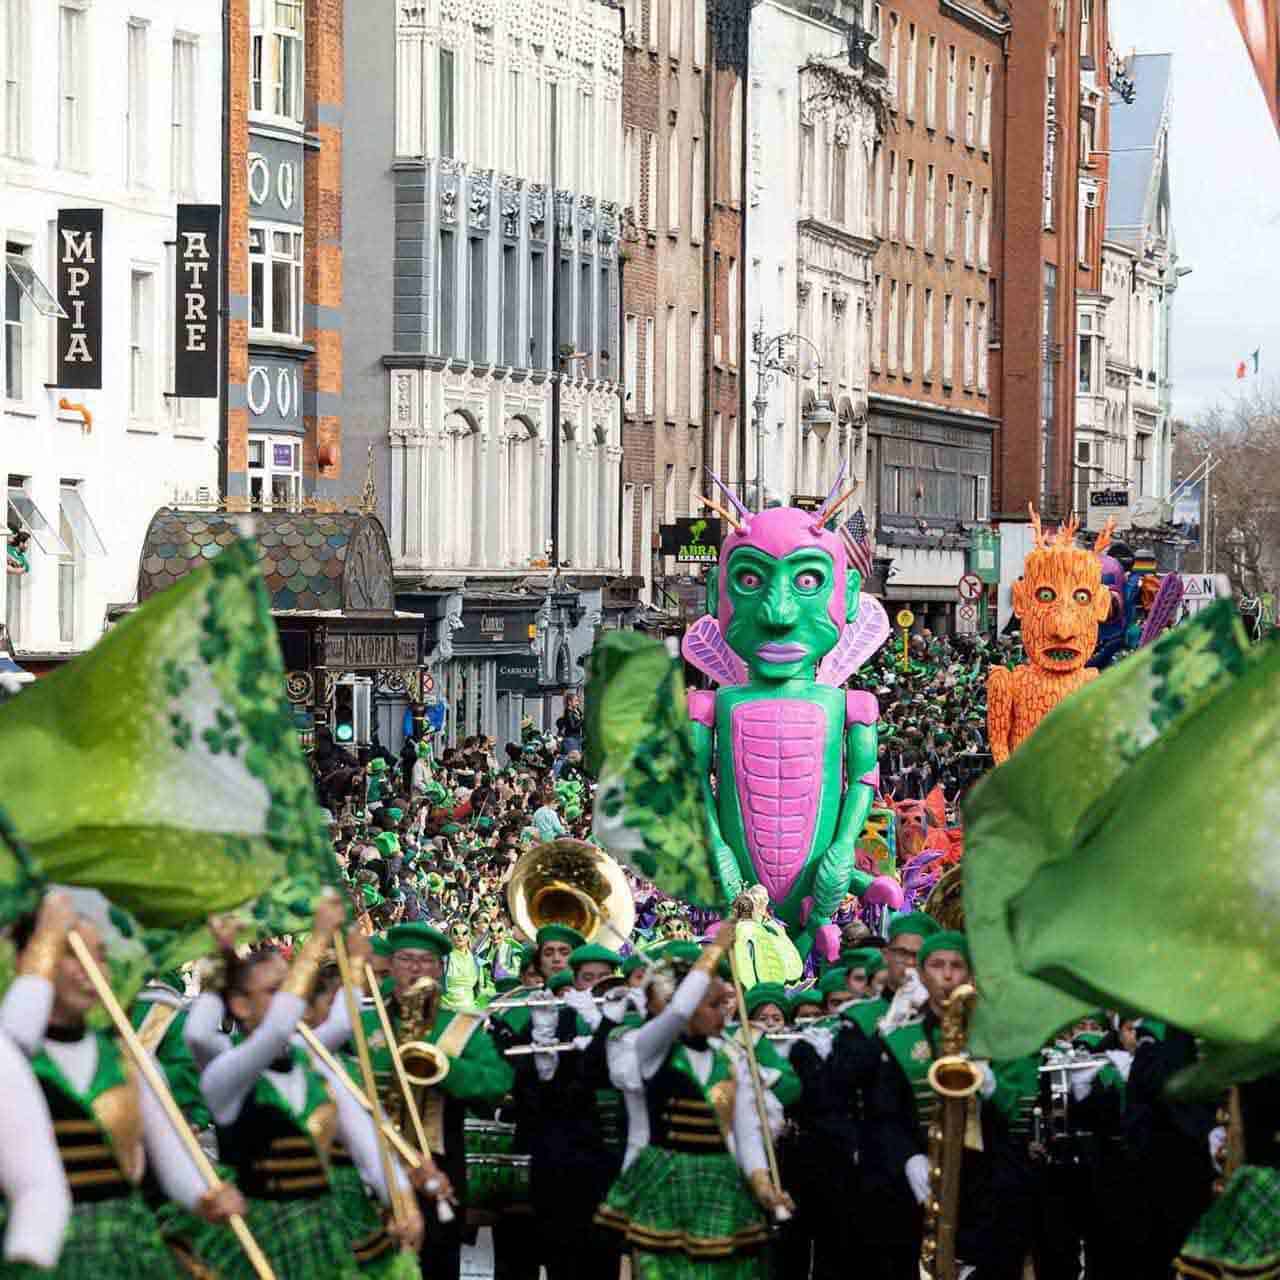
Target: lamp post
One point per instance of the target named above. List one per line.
(771, 360)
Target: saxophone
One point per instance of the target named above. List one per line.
(955, 1079)
(424, 1064)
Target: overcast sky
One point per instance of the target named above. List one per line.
(1225, 189)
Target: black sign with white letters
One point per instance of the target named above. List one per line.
(195, 364)
(80, 293)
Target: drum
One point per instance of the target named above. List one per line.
(497, 1174)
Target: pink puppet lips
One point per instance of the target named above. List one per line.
(781, 652)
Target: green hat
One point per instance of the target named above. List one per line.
(868, 959)
(380, 945)
(632, 963)
(679, 951)
(810, 995)
(394, 813)
(417, 937)
(916, 922)
(484, 824)
(377, 765)
(450, 829)
(528, 956)
(387, 844)
(503, 985)
(559, 933)
(764, 993)
(945, 940)
(558, 981)
(593, 954)
(834, 980)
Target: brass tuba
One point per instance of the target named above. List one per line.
(571, 882)
(955, 1079)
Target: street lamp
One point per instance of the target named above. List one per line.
(772, 360)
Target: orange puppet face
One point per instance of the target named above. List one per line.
(1060, 600)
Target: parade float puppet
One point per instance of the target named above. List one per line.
(786, 626)
(1061, 600)
(462, 976)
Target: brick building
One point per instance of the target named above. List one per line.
(681, 273)
(284, 249)
(935, 399)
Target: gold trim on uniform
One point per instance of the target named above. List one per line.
(119, 1113)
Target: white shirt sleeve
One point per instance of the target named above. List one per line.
(748, 1142)
(166, 1153)
(335, 1030)
(652, 1042)
(203, 1035)
(227, 1081)
(25, 1010)
(31, 1176)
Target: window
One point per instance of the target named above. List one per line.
(448, 296)
(72, 113)
(877, 321)
(632, 364)
(446, 103)
(141, 345)
(605, 309)
(949, 230)
(275, 280)
(650, 364)
(948, 340)
(909, 209)
(182, 117)
(931, 86)
(893, 58)
(984, 135)
(807, 159)
(879, 194)
(510, 307)
(585, 344)
(630, 188)
(893, 195)
(670, 371)
(675, 25)
(80, 539)
(695, 367)
(275, 471)
(537, 310)
(735, 142)
(696, 184)
(699, 32)
(1086, 363)
(971, 104)
(1086, 24)
(912, 51)
(136, 117)
(733, 287)
(673, 182)
(984, 231)
(908, 329)
(650, 192)
(515, 122)
(930, 209)
(276, 58)
(717, 444)
(968, 345)
(17, 322)
(17, 76)
(839, 180)
(952, 89)
(1050, 139)
(969, 230)
(477, 294)
(926, 350)
(481, 93)
(891, 362)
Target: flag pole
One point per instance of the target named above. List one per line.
(159, 1086)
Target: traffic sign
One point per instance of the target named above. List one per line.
(905, 619)
(970, 587)
(967, 613)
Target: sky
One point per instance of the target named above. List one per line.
(1224, 192)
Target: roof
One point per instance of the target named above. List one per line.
(1136, 146)
(311, 561)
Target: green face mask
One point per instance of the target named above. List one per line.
(781, 627)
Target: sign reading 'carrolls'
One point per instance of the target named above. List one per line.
(195, 365)
(80, 293)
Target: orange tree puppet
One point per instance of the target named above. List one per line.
(1060, 600)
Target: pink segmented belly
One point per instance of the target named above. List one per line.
(778, 755)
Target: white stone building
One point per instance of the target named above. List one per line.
(1124, 394)
(114, 106)
(815, 124)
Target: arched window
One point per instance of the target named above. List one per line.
(461, 536)
(520, 506)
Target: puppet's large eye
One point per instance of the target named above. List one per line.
(1046, 595)
(1083, 595)
(749, 580)
(808, 580)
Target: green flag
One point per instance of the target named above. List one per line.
(648, 810)
(161, 768)
(1027, 814)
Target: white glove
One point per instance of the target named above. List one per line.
(584, 1005)
(988, 1085)
(1082, 1080)
(543, 1022)
(1122, 1060)
(917, 1171)
(1217, 1143)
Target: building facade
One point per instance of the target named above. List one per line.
(486, 140)
(1124, 429)
(935, 350)
(285, 302)
(111, 110)
(817, 111)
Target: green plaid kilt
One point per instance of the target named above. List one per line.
(1240, 1235)
(671, 1205)
(376, 1253)
(303, 1240)
(108, 1240)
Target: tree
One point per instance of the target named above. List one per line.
(1242, 524)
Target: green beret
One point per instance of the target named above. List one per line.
(484, 824)
(632, 963)
(558, 981)
(809, 996)
(834, 980)
(450, 829)
(380, 945)
(378, 765)
(916, 922)
(868, 959)
(417, 937)
(764, 993)
(387, 844)
(945, 940)
(394, 814)
(591, 953)
(559, 933)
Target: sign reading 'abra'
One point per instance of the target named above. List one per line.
(80, 293)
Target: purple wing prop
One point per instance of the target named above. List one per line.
(860, 639)
(1164, 608)
(705, 648)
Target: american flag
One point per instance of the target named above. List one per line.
(854, 535)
